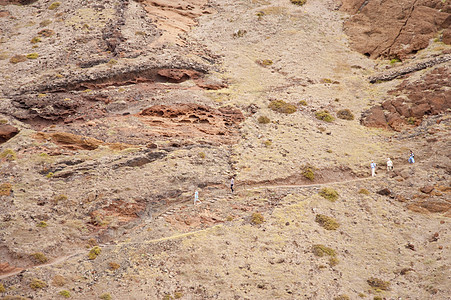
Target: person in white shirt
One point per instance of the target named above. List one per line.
(232, 183)
(389, 165)
(373, 168)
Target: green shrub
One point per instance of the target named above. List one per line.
(42, 224)
(49, 175)
(364, 191)
(257, 218)
(329, 194)
(105, 296)
(309, 173)
(321, 250)
(54, 5)
(64, 293)
(2, 288)
(377, 298)
(17, 59)
(267, 143)
(326, 222)
(40, 257)
(324, 116)
(35, 40)
(202, 155)
(263, 120)
(9, 155)
(32, 55)
(302, 102)
(282, 107)
(5, 189)
(37, 284)
(394, 61)
(299, 2)
(378, 283)
(345, 114)
(94, 252)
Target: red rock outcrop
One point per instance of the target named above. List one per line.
(431, 95)
(189, 120)
(394, 28)
(7, 132)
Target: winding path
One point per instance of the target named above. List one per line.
(177, 236)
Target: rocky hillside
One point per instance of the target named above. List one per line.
(113, 113)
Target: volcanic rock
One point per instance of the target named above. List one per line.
(7, 132)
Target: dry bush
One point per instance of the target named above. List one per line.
(378, 283)
(364, 191)
(299, 2)
(282, 107)
(65, 293)
(94, 252)
(5, 189)
(308, 173)
(37, 284)
(257, 218)
(17, 59)
(329, 194)
(345, 114)
(263, 120)
(39, 257)
(326, 222)
(325, 116)
(59, 280)
(113, 266)
(321, 250)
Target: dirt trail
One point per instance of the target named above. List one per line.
(177, 236)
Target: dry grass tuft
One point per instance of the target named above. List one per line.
(329, 194)
(94, 252)
(345, 114)
(263, 120)
(257, 218)
(37, 284)
(326, 222)
(378, 283)
(40, 257)
(321, 250)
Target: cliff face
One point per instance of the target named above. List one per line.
(396, 29)
(114, 113)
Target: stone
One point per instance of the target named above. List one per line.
(384, 192)
(427, 189)
(7, 132)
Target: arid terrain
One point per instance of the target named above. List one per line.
(113, 113)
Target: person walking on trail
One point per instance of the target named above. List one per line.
(196, 197)
(389, 165)
(232, 183)
(411, 157)
(373, 168)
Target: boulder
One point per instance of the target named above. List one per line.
(427, 189)
(7, 132)
(374, 117)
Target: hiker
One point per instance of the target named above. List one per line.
(196, 197)
(389, 164)
(411, 157)
(373, 168)
(232, 182)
